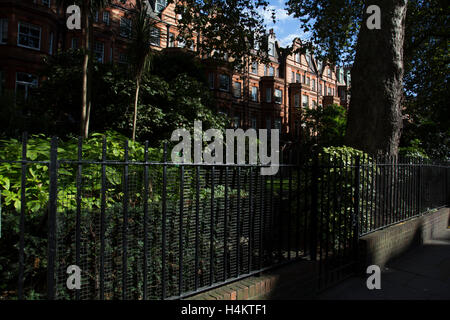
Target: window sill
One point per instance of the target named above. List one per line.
(26, 47)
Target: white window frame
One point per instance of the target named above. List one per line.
(222, 77)
(30, 26)
(254, 66)
(268, 95)
(254, 96)
(27, 85)
(95, 51)
(105, 17)
(305, 104)
(297, 100)
(278, 96)
(236, 93)
(3, 30)
(50, 44)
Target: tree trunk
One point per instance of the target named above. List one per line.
(84, 97)
(375, 118)
(89, 80)
(136, 98)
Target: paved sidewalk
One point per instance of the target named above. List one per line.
(423, 273)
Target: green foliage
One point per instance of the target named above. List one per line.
(227, 28)
(333, 25)
(168, 99)
(37, 179)
(426, 79)
(414, 150)
(327, 124)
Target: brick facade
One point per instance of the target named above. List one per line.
(271, 97)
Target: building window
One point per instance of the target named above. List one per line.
(211, 80)
(123, 58)
(224, 82)
(329, 91)
(271, 71)
(277, 123)
(98, 51)
(308, 81)
(24, 82)
(329, 72)
(254, 95)
(278, 96)
(253, 123)
(236, 122)
(181, 43)
(292, 76)
(254, 67)
(171, 40)
(106, 17)
(314, 84)
(29, 36)
(297, 57)
(125, 27)
(74, 43)
(297, 78)
(160, 5)
(268, 124)
(50, 44)
(155, 36)
(3, 31)
(320, 88)
(304, 79)
(46, 3)
(237, 89)
(272, 49)
(297, 100)
(305, 102)
(96, 16)
(268, 94)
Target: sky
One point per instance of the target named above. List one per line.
(286, 28)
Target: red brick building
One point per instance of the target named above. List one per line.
(264, 96)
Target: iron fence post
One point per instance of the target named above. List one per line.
(356, 211)
(22, 215)
(314, 207)
(52, 219)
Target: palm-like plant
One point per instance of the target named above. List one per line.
(140, 51)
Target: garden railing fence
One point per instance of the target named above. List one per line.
(160, 230)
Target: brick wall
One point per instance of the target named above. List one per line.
(384, 245)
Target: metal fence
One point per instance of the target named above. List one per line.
(159, 230)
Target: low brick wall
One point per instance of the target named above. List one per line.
(301, 277)
(384, 245)
(268, 285)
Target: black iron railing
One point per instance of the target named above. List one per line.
(159, 230)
